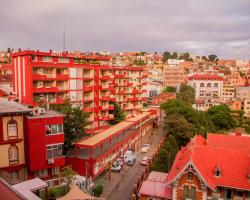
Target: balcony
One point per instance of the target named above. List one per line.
(45, 89)
(62, 76)
(136, 92)
(111, 88)
(111, 97)
(62, 88)
(105, 77)
(104, 118)
(88, 76)
(87, 88)
(105, 87)
(39, 76)
(111, 107)
(85, 99)
(104, 98)
(133, 99)
(121, 92)
(111, 116)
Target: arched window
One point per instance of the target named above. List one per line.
(216, 85)
(13, 155)
(193, 192)
(209, 85)
(202, 85)
(186, 192)
(12, 129)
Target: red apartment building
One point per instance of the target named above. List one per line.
(44, 140)
(88, 81)
(93, 155)
(31, 142)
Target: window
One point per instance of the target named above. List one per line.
(54, 151)
(46, 59)
(217, 172)
(189, 192)
(12, 129)
(185, 192)
(13, 155)
(34, 58)
(55, 170)
(14, 176)
(216, 85)
(209, 85)
(63, 60)
(202, 85)
(193, 192)
(190, 176)
(54, 129)
(41, 173)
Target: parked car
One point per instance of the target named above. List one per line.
(116, 167)
(145, 148)
(145, 160)
(120, 161)
(129, 158)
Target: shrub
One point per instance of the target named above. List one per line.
(98, 190)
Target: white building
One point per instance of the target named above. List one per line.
(206, 86)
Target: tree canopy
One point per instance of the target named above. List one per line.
(169, 89)
(75, 122)
(119, 114)
(186, 93)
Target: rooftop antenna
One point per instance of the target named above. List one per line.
(64, 38)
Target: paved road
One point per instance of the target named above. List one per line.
(122, 184)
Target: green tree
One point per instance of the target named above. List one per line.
(169, 89)
(68, 173)
(166, 55)
(212, 57)
(75, 122)
(204, 58)
(119, 114)
(175, 55)
(186, 93)
(221, 117)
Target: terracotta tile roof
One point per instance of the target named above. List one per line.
(230, 153)
(205, 77)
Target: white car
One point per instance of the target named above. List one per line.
(145, 160)
(145, 148)
(120, 161)
(116, 167)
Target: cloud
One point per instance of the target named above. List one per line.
(221, 27)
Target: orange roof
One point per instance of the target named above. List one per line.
(231, 153)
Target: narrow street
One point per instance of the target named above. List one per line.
(122, 184)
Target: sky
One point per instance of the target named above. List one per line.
(201, 27)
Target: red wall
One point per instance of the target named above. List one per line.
(36, 141)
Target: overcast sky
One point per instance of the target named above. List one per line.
(200, 27)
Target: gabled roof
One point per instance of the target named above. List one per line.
(230, 153)
(11, 107)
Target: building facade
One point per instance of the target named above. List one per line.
(206, 86)
(12, 161)
(88, 81)
(174, 75)
(216, 168)
(44, 140)
(93, 155)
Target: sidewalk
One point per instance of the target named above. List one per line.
(122, 184)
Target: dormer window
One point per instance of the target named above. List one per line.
(217, 172)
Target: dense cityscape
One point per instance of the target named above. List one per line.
(170, 124)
